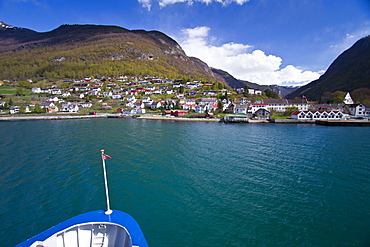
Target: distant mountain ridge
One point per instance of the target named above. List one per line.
(349, 71)
(235, 83)
(84, 50)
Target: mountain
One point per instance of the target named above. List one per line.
(77, 51)
(235, 83)
(349, 71)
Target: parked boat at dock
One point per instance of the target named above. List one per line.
(236, 118)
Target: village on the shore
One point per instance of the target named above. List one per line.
(133, 96)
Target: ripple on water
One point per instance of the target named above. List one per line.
(207, 184)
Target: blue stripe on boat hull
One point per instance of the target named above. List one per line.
(116, 217)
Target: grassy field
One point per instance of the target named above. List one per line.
(7, 90)
(279, 116)
(13, 90)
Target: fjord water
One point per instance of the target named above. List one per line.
(191, 184)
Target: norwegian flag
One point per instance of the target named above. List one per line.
(105, 156)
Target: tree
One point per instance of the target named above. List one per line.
(38, 109)
(19, 91)
(219, 106)
(22, 109)
(290, 110)
(337, 97)
(361, 95)
(271, 94)
(246, 91)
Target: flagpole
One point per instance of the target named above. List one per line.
(109, 211)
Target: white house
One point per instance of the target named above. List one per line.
(139, 111)
(358, 110)
(192, 86)
(155, 105)
(66, 94)
(69, 107)
(85, 105)
(147, 101)
(49, 107)
(56, 91)
(244, 101)
(53, 99)
(254, 91)
(212, 101)
(348, 99)
(256, 106)
(158, 91)
(107, 94)
(189, 105)
(131, 99)
(139, 105)
(210, 93)
(36, 90)
(241, 108)
(280, 105)
(318, 115)
(202, 108)
(16, 109)
(116, 96)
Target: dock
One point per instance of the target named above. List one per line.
(343, 123)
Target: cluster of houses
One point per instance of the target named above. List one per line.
(348, 109)
(136, 99)
(258, 110)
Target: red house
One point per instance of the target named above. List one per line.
(178, 113)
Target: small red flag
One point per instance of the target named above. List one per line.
(104, 156)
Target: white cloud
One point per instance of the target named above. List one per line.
(31, 1)
(350, 39)
(241, 62)
(147, 3)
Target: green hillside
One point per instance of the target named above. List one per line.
(77, 51)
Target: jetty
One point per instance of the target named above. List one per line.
(362, 123)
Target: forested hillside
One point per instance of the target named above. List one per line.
(350, 72)
(77, 51)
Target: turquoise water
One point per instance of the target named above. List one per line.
(191, 184)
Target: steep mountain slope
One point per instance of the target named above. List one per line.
(350, 71)
(75, 51)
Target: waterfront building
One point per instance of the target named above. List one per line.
(358, 110)
(318, 115)
(348, 99)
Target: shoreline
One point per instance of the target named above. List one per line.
(52, 117)
(167, 118)
(179, 119)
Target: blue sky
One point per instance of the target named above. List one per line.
(284, 42)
